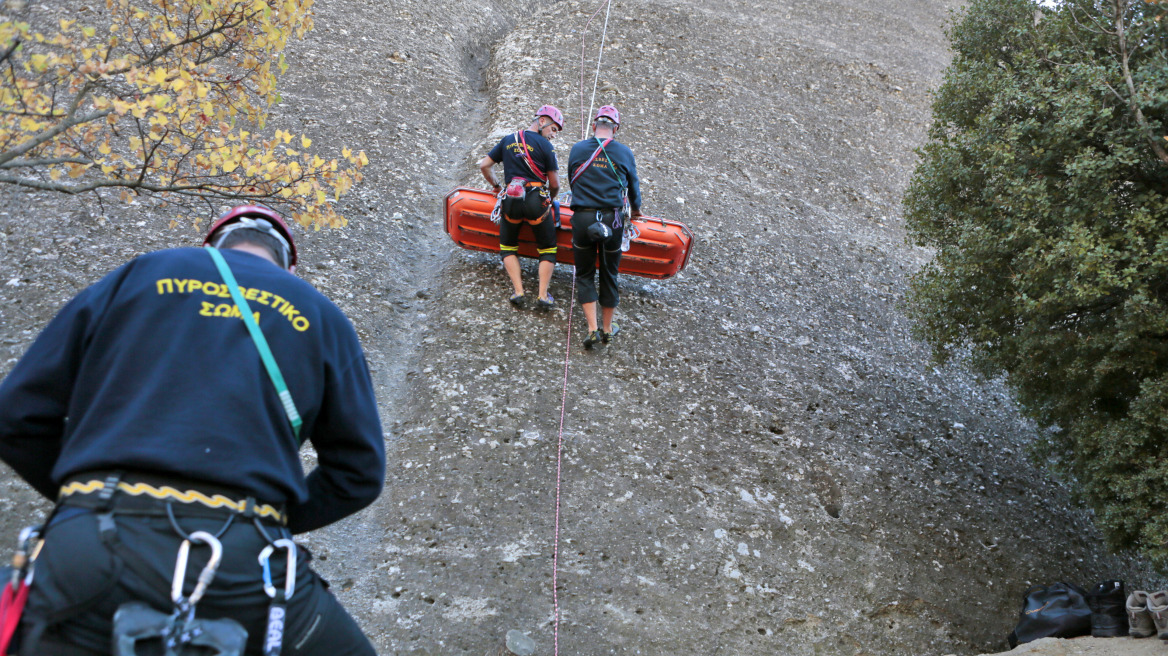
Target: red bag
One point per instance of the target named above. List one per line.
(15, 594)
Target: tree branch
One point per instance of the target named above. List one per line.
(51, 133)
(1124, 55)
(194, 190)
(11, 49)
(49, 161)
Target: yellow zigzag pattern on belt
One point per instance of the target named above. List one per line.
(167, 492)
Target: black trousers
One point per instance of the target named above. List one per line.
(81, 580)
(586, 253)
(529, 209)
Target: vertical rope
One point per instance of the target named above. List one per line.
(583, 43)
(559, 474)
(599, 56)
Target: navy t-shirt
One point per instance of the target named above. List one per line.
(509, 151)
(598, 187)
(151, 369)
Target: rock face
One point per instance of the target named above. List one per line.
(765, 461)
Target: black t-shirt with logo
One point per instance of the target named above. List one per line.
(509, 152)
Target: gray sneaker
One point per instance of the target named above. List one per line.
(1158, 609)
(1139, 620)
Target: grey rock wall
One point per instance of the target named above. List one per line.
(764, 461)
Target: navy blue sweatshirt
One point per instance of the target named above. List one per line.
(597, 187)
(147, 370)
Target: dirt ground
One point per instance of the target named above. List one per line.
(765, 461)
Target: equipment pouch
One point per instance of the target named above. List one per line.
(138, 625)
(515, 188)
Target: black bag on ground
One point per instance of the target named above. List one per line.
(1052, 611)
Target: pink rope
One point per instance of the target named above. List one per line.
(567, 362)
(559, 472)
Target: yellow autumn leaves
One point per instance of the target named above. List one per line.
(165, 100)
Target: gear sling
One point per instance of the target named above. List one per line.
(629, 231)
(527, 201)
(178, 633)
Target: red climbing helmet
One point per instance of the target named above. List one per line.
(609, 112)
(256, 217)
(552, 113)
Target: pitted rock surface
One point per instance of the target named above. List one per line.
(765, 461)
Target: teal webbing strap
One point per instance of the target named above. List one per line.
(261, 343)
(612, 166)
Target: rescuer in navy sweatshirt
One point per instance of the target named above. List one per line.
(601, 171)
(146, 399)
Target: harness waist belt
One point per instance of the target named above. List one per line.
(602, 210)
(149, 494)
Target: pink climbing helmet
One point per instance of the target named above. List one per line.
(609, 112)
(256, 217)
(554, 114)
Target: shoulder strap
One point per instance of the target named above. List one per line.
(619, 180)
(585, 165)
(530, 162)
(261, 343)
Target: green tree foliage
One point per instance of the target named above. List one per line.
(1043, 190)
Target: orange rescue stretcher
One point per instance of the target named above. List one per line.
(662, 249)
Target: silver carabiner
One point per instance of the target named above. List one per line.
(205, 577)
(289, 574)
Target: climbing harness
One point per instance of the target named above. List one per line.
(517, 188)
(179, 633)
(15, 594)
(277, 609)
(141, 492)
(629, 232)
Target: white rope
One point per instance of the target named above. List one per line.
(599, 56)
(607, 6)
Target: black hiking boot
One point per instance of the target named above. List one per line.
(1108, 605)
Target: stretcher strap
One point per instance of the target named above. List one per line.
(261, 343)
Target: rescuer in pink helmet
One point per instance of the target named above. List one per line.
(532, 180)
(606, 197)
